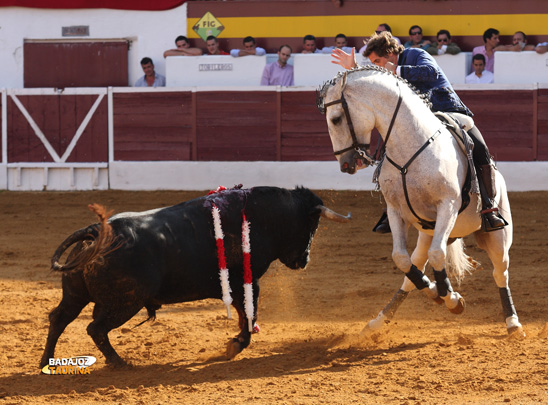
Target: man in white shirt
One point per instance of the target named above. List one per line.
(479, 75)
(250, 48)
(340, 42)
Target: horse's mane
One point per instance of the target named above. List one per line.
(322, 91)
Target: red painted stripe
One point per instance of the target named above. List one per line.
(221, 254)
(112, 4)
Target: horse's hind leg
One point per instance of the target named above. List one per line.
(497, 245)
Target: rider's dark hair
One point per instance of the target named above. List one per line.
(383, 44)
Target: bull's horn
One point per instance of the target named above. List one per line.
(332, 215)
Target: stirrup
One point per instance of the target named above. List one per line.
(486, 225)
(383, 226)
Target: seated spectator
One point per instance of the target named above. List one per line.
(151, 78)
(340, 43)
(381, 28)
(250, 48)
(309, 44)
(479, 75)
(183, 48)
(415, 39)
(279, 73)
(443, 44)
(542, 48)
(491, 40)
(519, 43)
(212, 44)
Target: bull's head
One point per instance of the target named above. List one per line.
(296, 252)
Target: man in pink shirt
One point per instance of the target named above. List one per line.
(491, 39)
(279, 73)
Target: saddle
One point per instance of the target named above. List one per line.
(458, 124)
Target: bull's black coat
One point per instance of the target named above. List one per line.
(169, 255)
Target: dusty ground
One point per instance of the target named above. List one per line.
(309, 350)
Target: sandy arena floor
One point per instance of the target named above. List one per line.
(309, 350)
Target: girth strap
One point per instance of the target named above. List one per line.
(403, 170)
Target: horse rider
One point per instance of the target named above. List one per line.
(421, 70)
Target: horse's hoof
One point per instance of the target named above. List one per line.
(516, 332)
(438, 300)
(233, 347)
(459, 308)
(371, 327)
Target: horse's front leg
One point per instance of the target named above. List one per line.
(437, 254)
(418, 259)
(403, 261)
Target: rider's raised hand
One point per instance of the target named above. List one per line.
(347, 61)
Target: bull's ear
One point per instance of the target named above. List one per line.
(332, 215)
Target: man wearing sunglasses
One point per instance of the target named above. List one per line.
(443, 45)
(415, 39)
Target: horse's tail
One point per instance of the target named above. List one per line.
(457, 262)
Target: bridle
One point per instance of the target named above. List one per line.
(362, 148)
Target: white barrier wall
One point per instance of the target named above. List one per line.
(455, 67)
(314, 69)
(219, 70)
(149, 32)
(519, 176)
(521, 67)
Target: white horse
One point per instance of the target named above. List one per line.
(421, 179)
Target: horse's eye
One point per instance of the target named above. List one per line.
(336, 120)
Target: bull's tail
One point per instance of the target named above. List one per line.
(97, 240)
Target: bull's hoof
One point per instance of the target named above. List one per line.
(459, 308)
(118, 363)
(233, 347)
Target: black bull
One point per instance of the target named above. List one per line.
(169, 255)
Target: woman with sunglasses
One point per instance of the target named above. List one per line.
(444, 45)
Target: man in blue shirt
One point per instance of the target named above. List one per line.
(151, 78)
(420, 69)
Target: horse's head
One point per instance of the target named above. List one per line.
(348, 122)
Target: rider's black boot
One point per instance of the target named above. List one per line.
(382, 226)
(491, 218)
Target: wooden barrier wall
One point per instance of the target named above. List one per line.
(223, 125)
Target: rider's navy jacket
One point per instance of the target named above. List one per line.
(420, 69)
